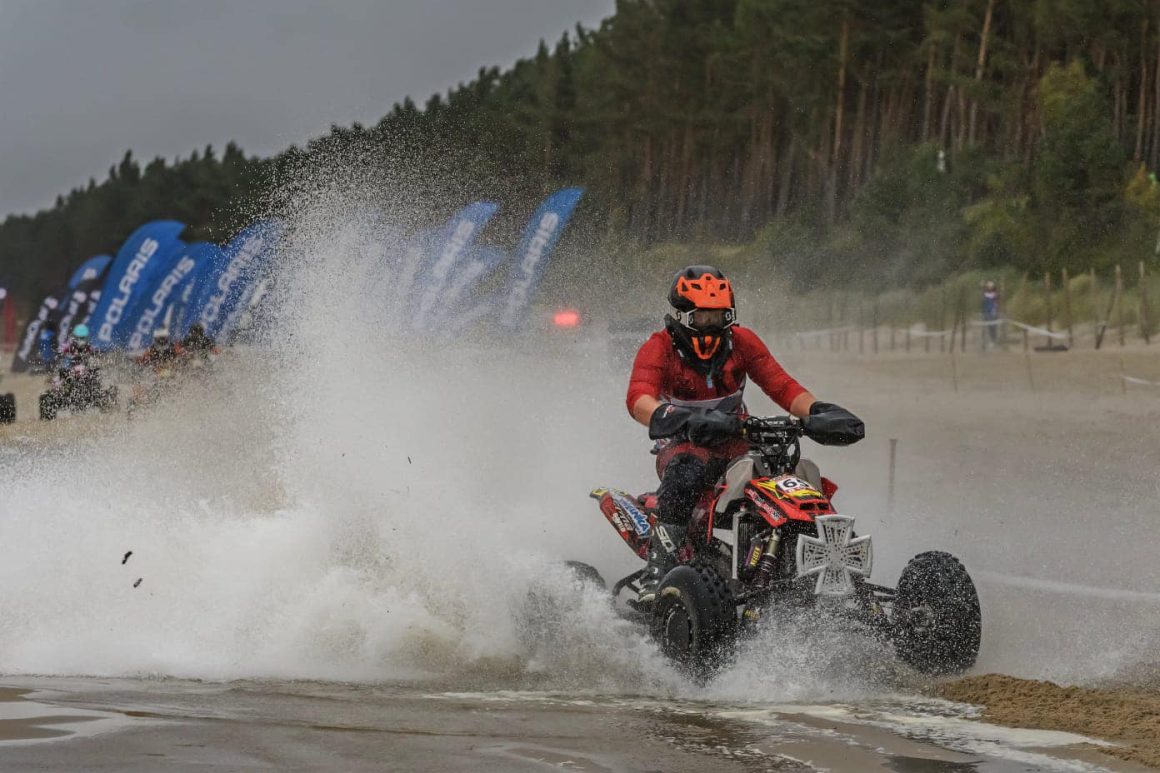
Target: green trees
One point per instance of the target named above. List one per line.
(211, 194)
(816, 124)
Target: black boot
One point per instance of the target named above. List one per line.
(663, 544)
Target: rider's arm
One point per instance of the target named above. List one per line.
(644, 407)
(801, 404)
(768, 374)
(644, 386)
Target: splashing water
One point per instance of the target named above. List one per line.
(342, 503)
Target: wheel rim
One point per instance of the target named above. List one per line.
(678, 631)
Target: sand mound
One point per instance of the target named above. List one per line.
(1129, 716)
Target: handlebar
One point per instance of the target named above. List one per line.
(772, 431)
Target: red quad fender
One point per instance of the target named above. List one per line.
(781, 499)
(632, 517)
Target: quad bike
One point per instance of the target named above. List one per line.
(767, 535)
(77, 388)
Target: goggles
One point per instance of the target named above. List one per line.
(706, 319)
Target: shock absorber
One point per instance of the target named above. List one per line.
(768, 562)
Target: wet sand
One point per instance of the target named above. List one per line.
(306, 726)
(1128, 715)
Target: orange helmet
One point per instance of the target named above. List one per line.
(703, 312)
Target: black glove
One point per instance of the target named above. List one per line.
(709, 428)
(669, 420)
(832, 425)
(705, 428)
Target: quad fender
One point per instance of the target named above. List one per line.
(628, 516)
(808, 469)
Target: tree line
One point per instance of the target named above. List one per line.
(880, 141)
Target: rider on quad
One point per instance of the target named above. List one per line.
(77, 385)
(198, 346)
(78, 349)
(163, 353)
(687, 387)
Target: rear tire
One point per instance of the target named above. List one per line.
(47, 407)
(938, 623)
(693, 620)
(586, 573)
(7, 408)
(548, 608)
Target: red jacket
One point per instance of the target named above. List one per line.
(659, 372)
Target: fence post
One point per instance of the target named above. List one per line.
(954, 328)
(1095, 309)
(1144, 329)
(1067, 310)
(1120, 302)
(893, 320)
(844, 322)
(833, 316)
(963, 318)
(861, 325)
(1003, 312)
(942, 339)
(893, 461)
(874, 332)
(1050, 315)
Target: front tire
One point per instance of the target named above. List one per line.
(938, 623)
(693, 620)
(7, 408)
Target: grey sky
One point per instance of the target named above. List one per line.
(82, 81)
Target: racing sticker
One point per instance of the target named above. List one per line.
(620, 520)
(765, 508)
(789, 486)
(639, 519)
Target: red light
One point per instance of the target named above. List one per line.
(566, 318)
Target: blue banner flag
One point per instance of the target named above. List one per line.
(481, 262)
(74, 308)
(184, 299)
(28, 344)
(244, 262)
(535, 248)
(444, 255)
(137, 260)
(183, 265)
(90, 269)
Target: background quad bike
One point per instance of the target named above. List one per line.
(51, 402)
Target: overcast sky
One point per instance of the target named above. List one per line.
(81, 81)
